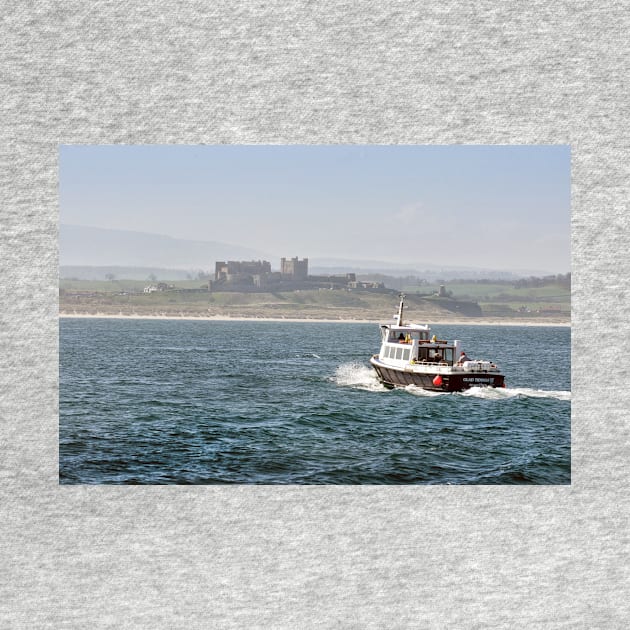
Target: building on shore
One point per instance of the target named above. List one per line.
(256, 275)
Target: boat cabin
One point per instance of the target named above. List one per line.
(412, 343)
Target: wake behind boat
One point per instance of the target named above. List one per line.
(410, 356)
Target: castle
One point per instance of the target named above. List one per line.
(256, 275)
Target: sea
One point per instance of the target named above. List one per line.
(148, 401)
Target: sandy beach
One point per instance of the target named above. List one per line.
(444, 322)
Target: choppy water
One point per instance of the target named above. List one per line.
(192, 402)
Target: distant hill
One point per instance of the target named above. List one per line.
(426, 270)
(98, 247)
(91, 253)
(371, 270)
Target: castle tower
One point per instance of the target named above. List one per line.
(297, 269)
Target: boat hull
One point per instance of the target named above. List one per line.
(450, 382)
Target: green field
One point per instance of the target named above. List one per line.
(500, 291)
(505, 299)
(115, 286)
(299, 300)
(191, 297)
(316, 304)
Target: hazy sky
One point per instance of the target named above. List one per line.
(503, 207)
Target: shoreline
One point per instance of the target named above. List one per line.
(475, 321)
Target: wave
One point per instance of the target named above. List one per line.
(424, 393)
(501, 393)
(359, 376)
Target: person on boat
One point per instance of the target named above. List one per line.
(401, 338)
(462, 357)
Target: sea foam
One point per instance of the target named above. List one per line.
(501, 393)
(359, 376)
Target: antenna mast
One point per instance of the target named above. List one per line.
(400, 310)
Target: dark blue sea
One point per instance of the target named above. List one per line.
(210, 402)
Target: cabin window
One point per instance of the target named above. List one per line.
(398, 353)
(448, 355)
(406, 354)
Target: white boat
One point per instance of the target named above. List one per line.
(410, 355)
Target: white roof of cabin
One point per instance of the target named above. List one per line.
(408, 327)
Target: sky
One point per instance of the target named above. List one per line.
(499, 207)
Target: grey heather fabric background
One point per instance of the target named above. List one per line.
(305, 557)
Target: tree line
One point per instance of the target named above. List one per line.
(561, 279)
